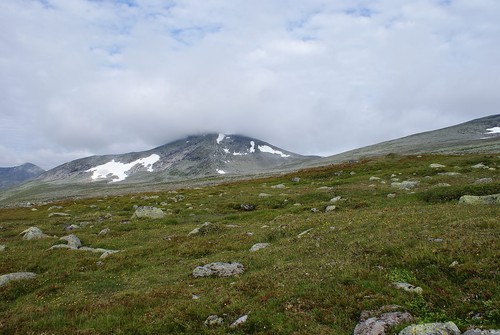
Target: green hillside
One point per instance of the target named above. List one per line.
(320, 270)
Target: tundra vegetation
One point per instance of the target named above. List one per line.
(319, 270)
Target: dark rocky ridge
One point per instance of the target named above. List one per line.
(10, 176)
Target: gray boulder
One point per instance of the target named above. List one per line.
(436, 166)
(241, 320)
(330, 208)
(2, 247)
(33, 233)
(477, 331)
(148, 212)
(448, 328)
(4, 279)
(378, 323)
(405, 185)
(493, 199)
(218, 269)
(206, 228)
(73, 241)
(408, 287)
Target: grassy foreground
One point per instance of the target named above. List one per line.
(317, 283)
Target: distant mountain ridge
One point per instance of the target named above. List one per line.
(10, 176)
(192, 157)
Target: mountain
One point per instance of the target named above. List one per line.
(190, 158)
(10, 176)
(476, 136)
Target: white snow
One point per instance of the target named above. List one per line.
(252, 148)
(239, 153)
(268, 149)
(494, 130)
(220, 138)
(220, 171)
(118, 171)
(226, 150)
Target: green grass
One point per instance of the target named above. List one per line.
(315, 284)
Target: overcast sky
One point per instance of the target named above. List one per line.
(84, 77)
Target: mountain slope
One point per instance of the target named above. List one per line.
(190, 158)
(11, 176)
(476, 136)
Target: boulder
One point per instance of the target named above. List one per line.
(493, 199)
(408, 287)
(259, 246)
(479, 166)
(405, 185)
(206, 228)
(448, 328)
(336, 199)
(477, 331)
(4, 279)
(148, 212)
(379, 321)
(73, 241)
(218, 269)
(241, 320)
(33, 233)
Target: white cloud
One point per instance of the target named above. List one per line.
(100, 77)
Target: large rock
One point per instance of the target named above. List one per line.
(73, 241)
(408, 287)
(379, 325)
(4, 279)
(218, 269)
(33, 233)
(206, 228)
(148, 212)
(448, 328)
(493, 199)
(482, 332)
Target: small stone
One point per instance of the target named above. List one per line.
(408, 287)
(453, 264)
(2, 247)
(148, 212)
(493, 199)
(4, 279)
(483, 181)
(405, 185)
(314, 210)
(279, 186)
(378, 323)
(104, 232)
(448, 328)
(58, 214)
(259, 246)
(330, 208)
(435, 239)
(195, 296)
(480, 166)
(335, 199)
(391, 195)
(264, 195)
(73, 241)
(436, 166)
(99, 263)
(51, 208)
(71, 227)
(247, 207)
(305, 232)
(373, 178)
(449, 174)
(206, 228)
(295, 179)
(239, 321)
(214, 320)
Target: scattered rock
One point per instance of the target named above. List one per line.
(4, 279)
(441, 185)
(99, 263)
(480, 166)
(247, 207)
(330, 208)
(2, 247)
(449, 174)
(214, 320)
(195, 296)
(405, 185)
(477, 331)
(71, 227)
(325, 188)
(314, 210)
(373, 178)
(218, 269)
(206, 228)
(51, 208)
(483, 181)
(148, 212)
(379, 321)
(335, 199)
(279, 186)
(408, 287)
(352, 173)
(73, 241)
(435, 239)
(304, 232)
(493, 199)
(391, 195)
(448, 328)
(264, 195)
(295, 179)
(58, 214)
(436, 166)
(33, 233)
(241, 320)
(104, 232)
(453, 264)
(259, 246)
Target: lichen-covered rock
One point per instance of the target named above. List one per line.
(206, 228)
(214, 320)
(219, 269)
(148, 212)
(408, 287)
(4, 279)
(448, 328)
(33, 233)
(477, 331)
(493, 199)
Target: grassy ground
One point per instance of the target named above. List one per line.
(314, 284)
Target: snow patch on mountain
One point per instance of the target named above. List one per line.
(220, 171)
(220, 138)
(118, 171)
(268, 149)
(252, 148)
(494, 130)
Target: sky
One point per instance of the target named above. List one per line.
(86, 77)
